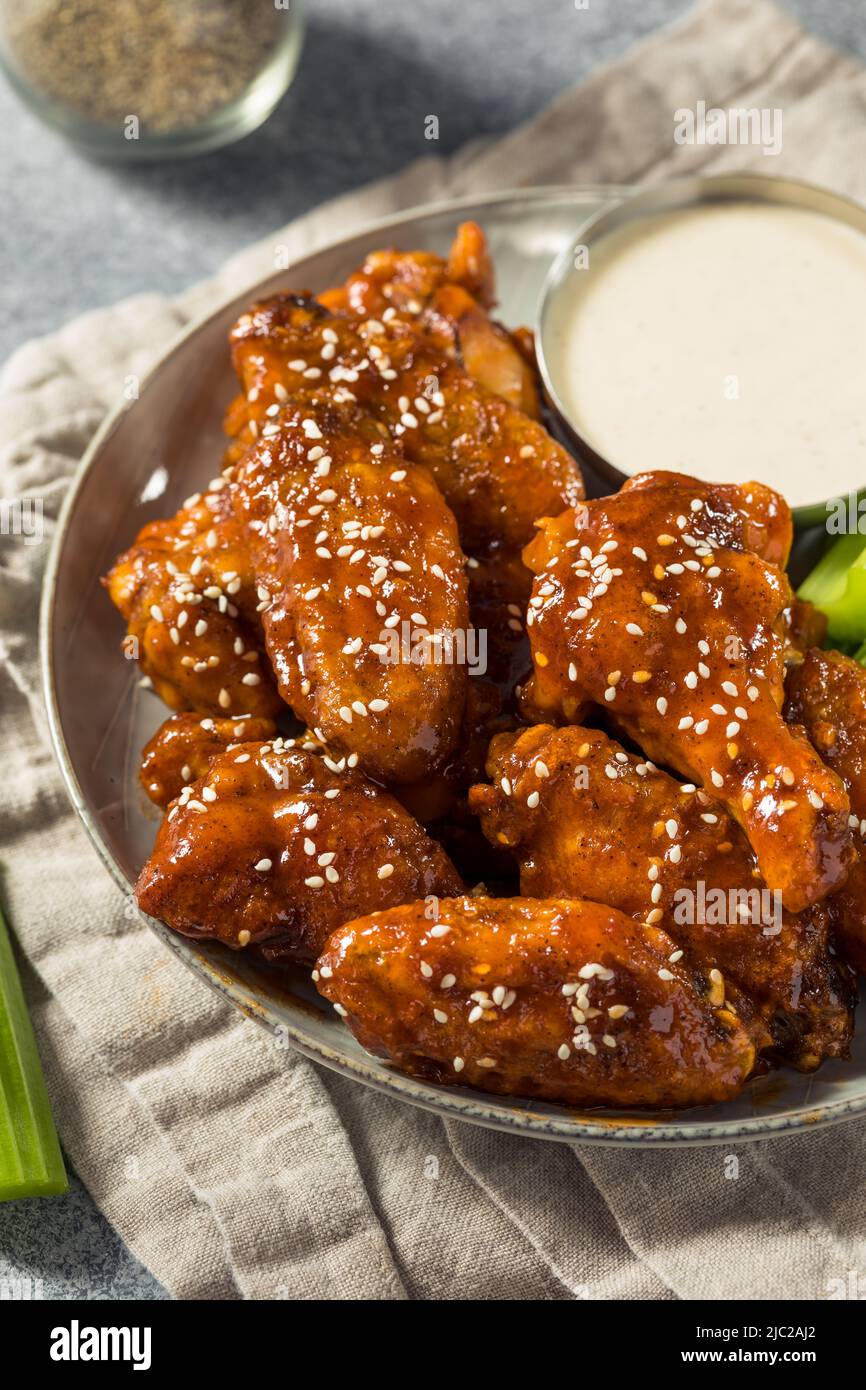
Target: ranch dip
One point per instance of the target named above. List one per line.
(727, 341)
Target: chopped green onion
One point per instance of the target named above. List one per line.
(31, 1164)
(837, 585)
(860, 654)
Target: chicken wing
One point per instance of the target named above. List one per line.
(276, 846)
(184, 746)
(405, 281)
(826, 696)
(448, 300)
(586, 819)
(359, 557)
(651, 605)
(498, 469)
(561, 1000)
(189, 598)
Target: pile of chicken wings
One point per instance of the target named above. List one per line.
(560, 797)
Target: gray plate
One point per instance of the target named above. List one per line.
(148, 456)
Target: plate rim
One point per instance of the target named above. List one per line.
(596, 1128)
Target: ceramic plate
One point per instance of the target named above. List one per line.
(150, 455)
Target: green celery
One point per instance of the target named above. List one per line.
(31, 1164)
(837, 585)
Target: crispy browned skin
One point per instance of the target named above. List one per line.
(361, 560)
(651, 605)
(188, 595)
(275, 848)
(497, 469)
(826, 696)
(586, 819)
(184, 746)
(513, 996)
(807, 627)
(486, 351)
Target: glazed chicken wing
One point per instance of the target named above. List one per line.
(276, 846)
(561, 1000)
(826, 696)
(188, 595)
(652, 606)
(586, 819)
(448, 300)
(497, 469)
(359, 557)
(184, 746)
(404, 282)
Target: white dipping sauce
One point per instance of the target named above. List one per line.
(727, 341)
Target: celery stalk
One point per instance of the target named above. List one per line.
(31, 1164)
(837, 585)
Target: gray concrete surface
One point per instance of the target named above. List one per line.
(75, 235)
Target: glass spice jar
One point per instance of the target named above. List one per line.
(151, 79)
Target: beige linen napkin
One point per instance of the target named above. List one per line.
(235, 1169)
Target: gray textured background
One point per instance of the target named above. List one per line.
(75, 235)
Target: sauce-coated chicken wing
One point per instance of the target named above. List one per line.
(184, 746)
(276, 846)
(562, 1000)
(826, 696)
(497, 469)
(359, 556)
(650, 605)
(405, 281)
(188, 595)
(586, 819)
(447, 299)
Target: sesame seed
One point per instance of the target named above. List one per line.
(263, 865)
(385, 871)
